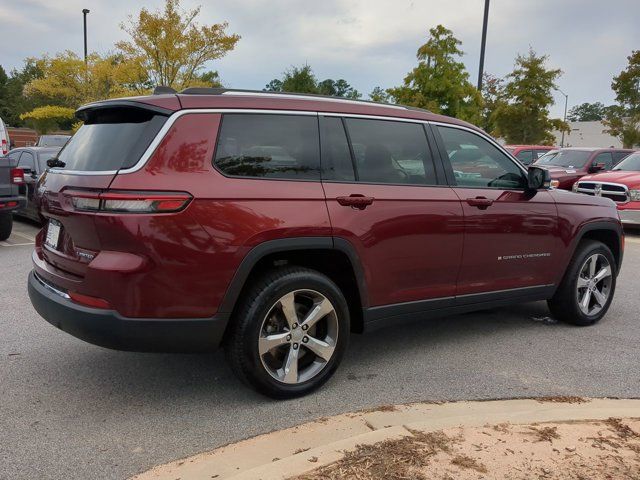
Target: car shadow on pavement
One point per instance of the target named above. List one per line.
(146, 378)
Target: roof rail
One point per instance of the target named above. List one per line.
(310, 96)
(162, 90)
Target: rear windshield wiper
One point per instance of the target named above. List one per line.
(55, 162)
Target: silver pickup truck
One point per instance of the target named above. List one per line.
(11, 178)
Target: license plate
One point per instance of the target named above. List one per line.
(53, 233)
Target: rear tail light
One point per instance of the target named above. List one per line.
(17, 176)
(128, 202)
(88, 301)
(4, 147)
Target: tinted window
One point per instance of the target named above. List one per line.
(14, 155)
(42, 159)
(26, 161)
(390, 152)
(617, 156)
(566, 158)
(525, 156)
(271, 146)
(336, 156)
(604, 158)
(539, 153)
(111, 139)
(478, 163)
(631, 163)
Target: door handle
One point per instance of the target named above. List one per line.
(481, 202)
(355, 201)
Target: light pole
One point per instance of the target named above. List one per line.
(84, 17)
(566, 101)
(484, 43)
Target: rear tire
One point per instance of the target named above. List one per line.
(289, 332)
(588, 286)
(6, 225)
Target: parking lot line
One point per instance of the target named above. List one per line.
(25, 236)
(7, 244)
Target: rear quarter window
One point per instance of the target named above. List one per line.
(111, 139)
(269, 146)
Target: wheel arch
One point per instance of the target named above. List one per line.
(332, 256)
(609, 233)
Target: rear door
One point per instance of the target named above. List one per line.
(111, 139)
(386, 196)
(511, 237)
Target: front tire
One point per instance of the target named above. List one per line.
(588, 286)
(6, 225)
(289, 333)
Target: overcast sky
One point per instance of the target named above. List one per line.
(368, 43)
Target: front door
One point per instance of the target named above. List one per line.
(385, 198)
(511, 238)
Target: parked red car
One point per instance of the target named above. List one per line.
(528, 154)
(567, 165)
(622, 185)
(278, 224)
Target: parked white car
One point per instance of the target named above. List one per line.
(4, 139)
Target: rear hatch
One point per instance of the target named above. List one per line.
(115, 136)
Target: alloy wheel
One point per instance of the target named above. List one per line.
(594, 284)
(298, 336)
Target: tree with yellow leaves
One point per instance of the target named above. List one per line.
(172, 48)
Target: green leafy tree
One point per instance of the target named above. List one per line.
(12, 101)
(440, 82)
(623, 120)
(492, 94)
(587, 112)
(380, 95)
(172, 48)
(49, 118)
(303, 80)
(523, 115)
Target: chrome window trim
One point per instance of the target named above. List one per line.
(165, 129)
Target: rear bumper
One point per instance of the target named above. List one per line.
(107, 328)
(15, 202)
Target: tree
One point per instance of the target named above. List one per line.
(492, 94)
(587, 112)
(172, 48)
(378, 94)
(12, 101)
(49, 118)
(303, 80)
(523, 116)
(623, 120)
(440, 82)
(67, 81)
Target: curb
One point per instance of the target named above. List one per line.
(298, 450)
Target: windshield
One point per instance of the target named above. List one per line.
(630, 164)
(53, 141)
(565, 158)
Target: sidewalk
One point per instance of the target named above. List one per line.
(302, 449)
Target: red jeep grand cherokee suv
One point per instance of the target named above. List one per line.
(277, 224)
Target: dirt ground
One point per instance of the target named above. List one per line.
(585, 450)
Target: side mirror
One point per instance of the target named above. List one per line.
(597, 167)
(538, 178)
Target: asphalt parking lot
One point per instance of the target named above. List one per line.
(72, 410)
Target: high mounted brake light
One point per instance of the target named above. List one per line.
(128, 202)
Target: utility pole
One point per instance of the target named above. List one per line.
(484, 43)
(84, 16)
(566, 101)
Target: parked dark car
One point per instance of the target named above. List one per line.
(33, 161)
(528, 154)
(277, 224)
(11, 180)
(567, 165)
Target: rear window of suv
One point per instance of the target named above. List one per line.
(269, 146)
(111, 139)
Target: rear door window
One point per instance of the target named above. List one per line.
(617, 156)
(27, 162)
(605, 159)
(111, 139)
(525, 156)
(387, 151)
(269, 146)
(337, 163)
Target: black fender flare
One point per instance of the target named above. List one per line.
(291, 244)
(612, 226)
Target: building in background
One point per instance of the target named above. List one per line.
(587, 134)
